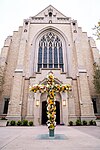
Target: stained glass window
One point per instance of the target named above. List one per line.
(39, 58)
(50, 57)
(50, 54)
(45, 58)
(55, 58)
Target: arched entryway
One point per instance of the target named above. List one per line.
(44, 114)
(57, 112)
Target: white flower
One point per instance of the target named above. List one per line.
(48, 116)
(48, 124)
(54, 123)
(54, 116)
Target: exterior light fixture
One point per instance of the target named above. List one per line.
(64, 102)
(37, 102)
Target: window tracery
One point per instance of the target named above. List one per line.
(50, 52)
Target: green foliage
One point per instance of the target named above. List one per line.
(25, 122)
(19, 123)
(78, 122)
(84, 122)
(96, 80)
(3, 118)
(30, 123)
(7, 123)
(97, 30)
(92, 122)
(71, 123)
(12, 122)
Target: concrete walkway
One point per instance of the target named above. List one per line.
(26, 138)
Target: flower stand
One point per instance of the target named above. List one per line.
(51, 132)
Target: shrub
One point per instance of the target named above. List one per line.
(84, 122)
(30, 123)
(91, 122)
(94, 123)
(7, 123)
(19, 123)
(25, 122)
(3, 118)
(71, 123)
(12, 122)
(78, 122)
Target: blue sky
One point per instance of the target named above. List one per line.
(13, 12)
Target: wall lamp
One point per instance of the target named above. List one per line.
(64, 102)
(37, 102)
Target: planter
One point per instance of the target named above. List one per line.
(98, 123)
(3, 123)
(51, 132)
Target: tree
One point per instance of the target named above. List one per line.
(96, 80)
(97, 29)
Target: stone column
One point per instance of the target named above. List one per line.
(3, 59)
(15, 104)
(14, 111)
(86, 108)
(65, 108)
(86, 104)
(71, 107)
(30, 106)
(37, 109)
(3, 65)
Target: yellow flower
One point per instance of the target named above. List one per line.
(63, 88)
(51, 102)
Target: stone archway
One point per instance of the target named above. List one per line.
(57, 112)
(44, 115)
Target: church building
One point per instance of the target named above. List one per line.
(47, 42)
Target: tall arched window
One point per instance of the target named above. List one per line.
(40, 58)
(50, 57)
(45, 58)
(60, 58)
(55, 58)
(50, 53)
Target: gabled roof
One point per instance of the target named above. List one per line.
(52, 9)
(50, 14)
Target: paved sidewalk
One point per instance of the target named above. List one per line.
(26, 138)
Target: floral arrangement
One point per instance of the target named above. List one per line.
(51, 88)
(51, 108)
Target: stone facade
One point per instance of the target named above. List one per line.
(20, 62)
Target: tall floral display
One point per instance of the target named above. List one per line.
(51, 88)
(51, 107)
